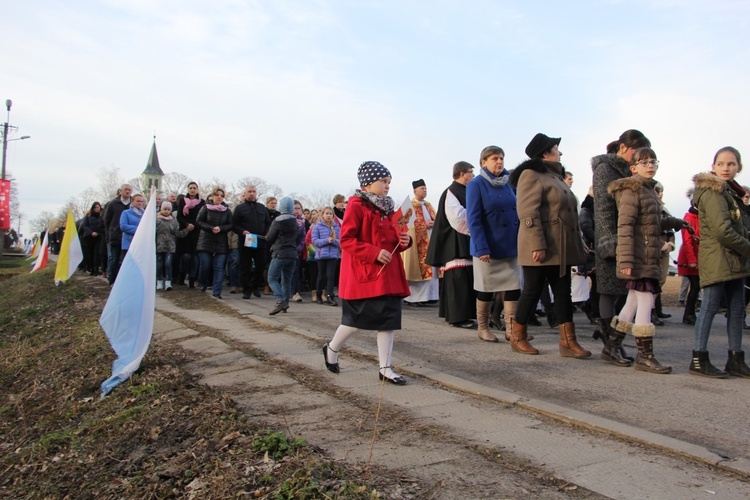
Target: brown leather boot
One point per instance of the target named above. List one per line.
(483, 319)
(611, 351)
(569, 347)
(518, 339)
(645, 361)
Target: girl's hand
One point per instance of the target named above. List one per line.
(330, 239)
(693, 265)
(404, 239)
(484, 258)
(538, 255)
(627, 271)
(384, 257)
(190, 227)
(216, 229)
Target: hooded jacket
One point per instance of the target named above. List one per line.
(724, 248)
(548, 211)
(639, 227)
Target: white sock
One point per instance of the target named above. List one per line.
(385, 350)
(339, 338)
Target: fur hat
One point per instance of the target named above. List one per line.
(539, 144)
(286, 205)
(371, 171)
(418, 183)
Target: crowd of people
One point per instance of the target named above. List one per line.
(498, 242)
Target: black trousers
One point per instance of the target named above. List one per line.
(252, 264)
(535, 278)
(692, 296)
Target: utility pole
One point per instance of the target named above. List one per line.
(6, 126)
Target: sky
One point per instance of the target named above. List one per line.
(299, 93)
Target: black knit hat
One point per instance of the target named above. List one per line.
(541, 143)
(371, 171)
(418, 183)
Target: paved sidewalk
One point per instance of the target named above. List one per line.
(444, 394)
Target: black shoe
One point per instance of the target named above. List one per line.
(332, 367)
(655, 319)
(663, 315)
(246, 295)
(331, 301)
(204, 288)
(413, 304)
(397, 379)
(689, 320)
(256, 292)
(468, 324)
(191, 283)
(218, 297)
(280, 306)
(533, 321)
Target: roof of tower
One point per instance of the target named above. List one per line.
(152, 167)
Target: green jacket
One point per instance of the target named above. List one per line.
(724, 248)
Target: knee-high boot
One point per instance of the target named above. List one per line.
(645, 361)
(483, 319)
(569, 347)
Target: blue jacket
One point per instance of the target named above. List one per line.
(129, 221)
(325, 250)
(492, 218)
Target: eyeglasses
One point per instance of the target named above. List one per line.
(648, 162)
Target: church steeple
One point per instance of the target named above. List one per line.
(153, 174)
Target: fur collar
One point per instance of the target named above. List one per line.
(633, 183)
(708, 180)
(536, 165)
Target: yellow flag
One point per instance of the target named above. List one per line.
(71, 253)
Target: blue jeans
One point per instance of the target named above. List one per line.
(190, 264)
(215, 261)
(113, 261)
(281, 270)
(734, 291)
(164, 265)
(233, 267)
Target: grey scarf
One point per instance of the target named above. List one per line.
(496, 181)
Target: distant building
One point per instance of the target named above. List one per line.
(153, 174)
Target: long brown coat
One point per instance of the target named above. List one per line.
(548, 214)
(639, 227)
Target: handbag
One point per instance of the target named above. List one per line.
(607, 247)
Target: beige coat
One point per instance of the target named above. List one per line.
(548, 211)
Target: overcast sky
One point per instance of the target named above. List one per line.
(299, 93)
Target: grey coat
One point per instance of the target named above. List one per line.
(167, 232)
(607, 168)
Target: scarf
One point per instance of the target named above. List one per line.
(190, 203)
(383, 203)
(734, 186)
(217, 208)
(163, 217)
(137, 211)
(496, 181)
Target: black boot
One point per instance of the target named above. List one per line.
(645, 361)
(655, 319)
(659, 311)
(736, 364)
(551, 317)
(616, 334)
(701, 365)
(603, 330)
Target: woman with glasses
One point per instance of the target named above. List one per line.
(608, 168)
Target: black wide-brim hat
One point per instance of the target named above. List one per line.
(541, 143)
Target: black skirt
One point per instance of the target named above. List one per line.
(643, 285)
(377, 313)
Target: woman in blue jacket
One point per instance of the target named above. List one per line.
(129, 221)
(493, 225)
(326, 236)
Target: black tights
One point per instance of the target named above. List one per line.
(508, 295)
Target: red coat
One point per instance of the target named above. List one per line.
(689, 249)
(364, 233)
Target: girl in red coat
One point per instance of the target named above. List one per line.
(687, 262)
(372, 282)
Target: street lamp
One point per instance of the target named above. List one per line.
(6, 126)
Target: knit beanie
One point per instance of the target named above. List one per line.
(286, 205)
(165, 205)
(371, 171)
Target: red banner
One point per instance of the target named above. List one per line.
(4, 204)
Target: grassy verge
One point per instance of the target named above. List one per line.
(160, 434)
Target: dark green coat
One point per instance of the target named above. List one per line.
(724, 248)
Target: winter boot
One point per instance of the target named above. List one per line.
(655, 320)
(645, 361)
(616, 334)
(551, 317)
(603, 330)
(483, 318)
(701, 365)
(569, 347)
(331, 301)
(519, 341)
(160, 284)
(168, 285)
(736, 364)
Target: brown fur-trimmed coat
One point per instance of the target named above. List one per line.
(639, 227)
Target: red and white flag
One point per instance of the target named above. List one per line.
(41, 259)
(404, 216)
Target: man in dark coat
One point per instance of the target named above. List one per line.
(112, 213)
(449, 250)
(251, 218)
